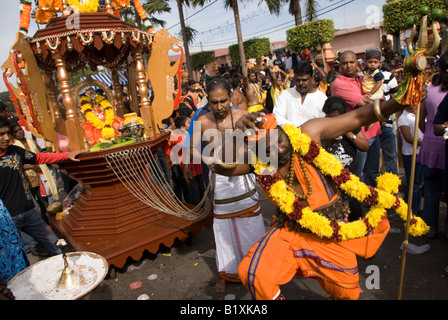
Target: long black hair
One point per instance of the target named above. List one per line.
(4, 122)
(335, 103)
(442, 77)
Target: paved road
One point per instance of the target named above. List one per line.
(187, 271)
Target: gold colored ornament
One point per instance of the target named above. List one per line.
(219, 162)
(377, 111)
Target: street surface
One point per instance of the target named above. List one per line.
(187, 271)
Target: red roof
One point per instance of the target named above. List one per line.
(278, 43)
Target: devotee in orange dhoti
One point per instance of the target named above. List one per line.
(311, 234)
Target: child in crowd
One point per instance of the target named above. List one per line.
(191, 189)
(406, 126)
(345, 147)
(373, 77)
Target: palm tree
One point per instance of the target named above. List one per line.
(152, 7)
(183, 28)
(311, 6)
(191, 34)
(273, 7)
(156, 7)
(295, 10)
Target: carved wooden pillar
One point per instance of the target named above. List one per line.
(118, 95)
(132, 86)
(145, 109)
(56, 115)
(72, 124)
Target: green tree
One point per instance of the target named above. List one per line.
(397, 13)
(4, 97)
(191, 34)
(273, 7)
(201, 59)
(253, 48)
(311, 34)
(156, 7)
(151, 7)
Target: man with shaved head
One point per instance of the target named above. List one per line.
(348, 85)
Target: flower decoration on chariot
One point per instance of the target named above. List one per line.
(89, 6)
(107, 131)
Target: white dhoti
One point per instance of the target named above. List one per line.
(237, 224)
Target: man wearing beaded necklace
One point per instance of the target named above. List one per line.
(253, 93)
(304, 242)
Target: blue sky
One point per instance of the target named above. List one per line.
(215, 25)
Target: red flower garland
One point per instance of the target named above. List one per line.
(266, 181)
(372, 199)
(313, 152)
(343, 177)
(368, 225)
(336, 227)
(396, 204)
(297, 212)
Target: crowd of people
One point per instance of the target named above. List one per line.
(296, 90)
(293, 90)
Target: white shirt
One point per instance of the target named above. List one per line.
(390, 82)
(288, 64)
(289, 108)
(407, 119)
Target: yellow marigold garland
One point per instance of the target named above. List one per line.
(107, 131)
(379, 199)
(90, 6)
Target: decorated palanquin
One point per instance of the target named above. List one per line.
(106, 219)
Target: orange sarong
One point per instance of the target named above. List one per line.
(281, 254)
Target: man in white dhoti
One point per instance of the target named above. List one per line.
(238, 223)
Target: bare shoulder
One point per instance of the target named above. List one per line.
(206, 120)
(239, 112)
(315, 127)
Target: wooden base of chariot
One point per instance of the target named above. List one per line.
(110, 221)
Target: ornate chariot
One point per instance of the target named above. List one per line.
(129, 206)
